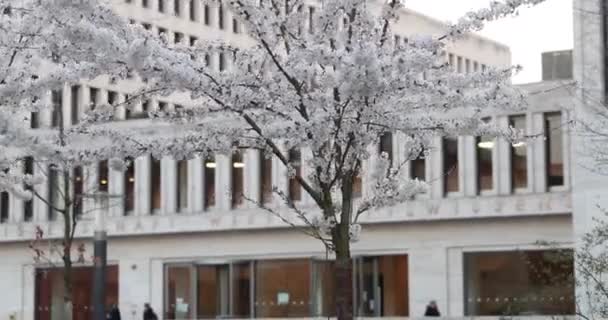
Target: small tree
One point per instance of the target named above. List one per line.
(329, 82)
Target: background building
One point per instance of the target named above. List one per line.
(184, 240)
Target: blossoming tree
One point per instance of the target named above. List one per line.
(330, 84)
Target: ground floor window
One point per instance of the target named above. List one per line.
(50, 292)
(519, 283)
(285, 288)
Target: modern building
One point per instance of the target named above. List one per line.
(184, 240)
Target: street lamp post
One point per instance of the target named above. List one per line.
(100, 262)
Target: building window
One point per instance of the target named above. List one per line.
(519, 155)
(518, 283)
(209, 182)
(284, 288)
(49, 292)
(265, 178)
(75, 102)
(53, 199)
(35, 120)
(220, 15)
(554, 149)
(112, 98)
(161, 5)
(182, 185)
(147, 26)
(145, 108)
(162, 32)
(129, 181)
(451, 60)
(178, 37)
(102, 176)
(295, 161)
(237, 179)
(78, 191)
(311, 19)
(475, 66)
(155, 184)
(485, 147)
(193, 13)
(222, 62)
(450, 164)
(193, 41)
(206, 11)
(286, 283)
(93, 97)
(386, 145)
(358, 183)
(418, 167)
(381, 286)
(4, 207)
(57, 100)
(28, 206)
(177, 7)
(144, 3)
(162, 106)
(235, 26)
(467, 66)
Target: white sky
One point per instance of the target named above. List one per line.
(546, 27)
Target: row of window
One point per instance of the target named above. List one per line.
(485, 148)
(451, 165)
(464, 65)
(212, 16)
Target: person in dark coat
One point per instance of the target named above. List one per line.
(114, 313)
(432, 310)
(149, 313)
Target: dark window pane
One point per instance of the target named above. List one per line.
(93, 97)
(78, 185)
(75, 104)
(237, 179)
(485, 146)
(265, 178)
(129, 181)
(450, 164)
(213, 291)
(179, 300)
(28, 206)
(206, 15)
(155, 184)
(418, 167)
(34, 120)
(49, 292)
(53, 192)
(295, 190)
(519, 283)
(192, 10)
(103, 176)
(519, 155)
(324, 289)
(386, 145)
(554, 149)
(182, 185)
(282, 288)
(241, 290)
(220, 16)
(57, 101)
(177, 7)
(209, 182)
(4, 207)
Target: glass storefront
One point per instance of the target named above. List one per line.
(285, 288)
(519, 283)
(50, 292)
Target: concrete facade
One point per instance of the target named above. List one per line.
(434, 230)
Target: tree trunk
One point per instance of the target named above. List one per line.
(67, 288)
(344, 275)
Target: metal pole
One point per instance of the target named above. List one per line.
(100, 261)
(99, 277)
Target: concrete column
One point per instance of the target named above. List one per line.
(428, 278)
(169, 186)
(134, 287)
(195, 181)
(456, 279)
(66, 102)
(435, 161)
(539, 167)
(589, 189)
(252, 177)
(468, 165)
(116, 186)
(223, 175)
(142, 186)
(501, 161)
(40, 208)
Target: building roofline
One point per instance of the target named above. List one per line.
(444, 24)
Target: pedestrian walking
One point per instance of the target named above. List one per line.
(149, 313)
(432, 310)
(114, 313)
